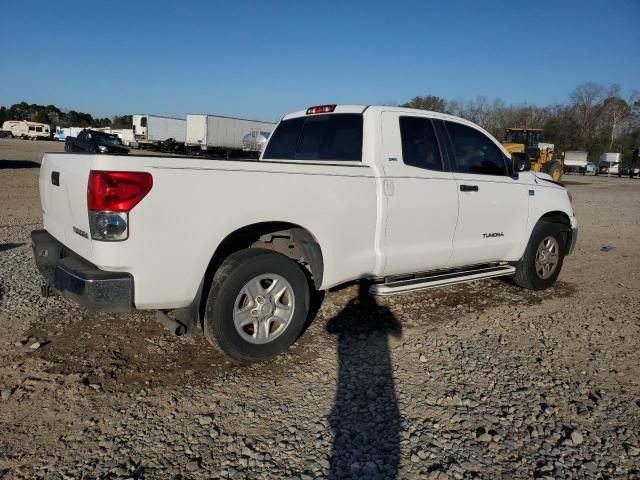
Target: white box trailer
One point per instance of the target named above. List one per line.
(126, 135)
(153, 129)
(223, 135)
(63, 132)
(575, 161)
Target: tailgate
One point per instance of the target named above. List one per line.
(63, 196)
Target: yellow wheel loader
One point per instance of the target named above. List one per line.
(530, 141)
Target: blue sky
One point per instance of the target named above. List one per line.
(263, 59)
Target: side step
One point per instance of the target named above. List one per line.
(440, 280)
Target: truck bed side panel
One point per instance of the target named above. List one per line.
(194, 204)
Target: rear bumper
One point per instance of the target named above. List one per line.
(76, 279)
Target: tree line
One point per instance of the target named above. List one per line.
(594, 118)
(54, 116)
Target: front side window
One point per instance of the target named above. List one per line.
(475, 152)
(419, 144)
(333, 137)
(143, 122)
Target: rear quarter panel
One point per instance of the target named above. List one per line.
(194, 204)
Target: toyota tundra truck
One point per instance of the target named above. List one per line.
(404, 199)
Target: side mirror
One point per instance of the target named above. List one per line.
(520, 162)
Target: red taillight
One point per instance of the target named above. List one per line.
(117, 191)
(321, 109)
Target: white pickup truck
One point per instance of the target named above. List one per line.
(405, 199)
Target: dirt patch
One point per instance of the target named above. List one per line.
(128, 352)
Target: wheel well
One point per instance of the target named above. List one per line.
(556, 217)
(289, 239)
(560, 218)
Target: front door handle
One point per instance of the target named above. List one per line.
(468, 188)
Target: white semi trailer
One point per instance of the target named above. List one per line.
(150, 130)
(575, 161)
(224, 136)
(63, 132)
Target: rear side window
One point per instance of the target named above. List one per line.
(335, 137)
(475, 152)
(419, 144)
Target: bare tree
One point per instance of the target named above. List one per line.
(585, 101)
(615, 112)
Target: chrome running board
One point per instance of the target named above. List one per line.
(440, 279)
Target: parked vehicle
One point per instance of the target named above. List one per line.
(6, 134)
(223, 136)
(151, 130)
(591, 167)
(171, 146)
(407, 199)
(27, 130)
(62, 133)
(94, 141)
(575, 162)
(607, 160)
(255, 141)
(627, 171)
(126, 135)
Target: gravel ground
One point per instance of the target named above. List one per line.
(482, 380)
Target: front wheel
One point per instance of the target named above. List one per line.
(542, 261)
(257, 306)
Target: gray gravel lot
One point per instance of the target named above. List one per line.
(482, 380)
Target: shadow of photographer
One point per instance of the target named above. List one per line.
(365, 418)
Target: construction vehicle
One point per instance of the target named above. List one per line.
(530, 141)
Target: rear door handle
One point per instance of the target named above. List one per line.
(468, 188)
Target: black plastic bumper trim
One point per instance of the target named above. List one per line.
(79, 280)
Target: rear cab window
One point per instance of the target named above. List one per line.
(335, 137)
(419, 144)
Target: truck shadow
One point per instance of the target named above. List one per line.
(9, 246)
(365, 418)
(11, 164)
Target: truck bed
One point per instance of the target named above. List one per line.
(193, 201)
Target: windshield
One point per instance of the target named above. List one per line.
(108, 139)
(526, 137)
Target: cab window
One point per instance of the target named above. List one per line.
(475, 152)
(419, 144)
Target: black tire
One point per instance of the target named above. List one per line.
(553, 168)
(526, 275)
(229, 280)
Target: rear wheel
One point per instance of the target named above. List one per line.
(257, 305)
(542, 261)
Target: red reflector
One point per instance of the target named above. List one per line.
(117, 191)
(321, 109)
